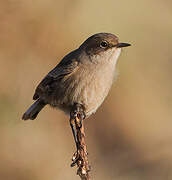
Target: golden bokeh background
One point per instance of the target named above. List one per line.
(130, 136)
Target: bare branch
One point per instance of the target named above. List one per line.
(80, 158)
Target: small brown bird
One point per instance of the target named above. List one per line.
(82, 79)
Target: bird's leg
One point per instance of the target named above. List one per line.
(75, 156)
(79, 110)
(76, 117)
(74, 131)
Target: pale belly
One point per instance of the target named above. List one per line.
(93, 89)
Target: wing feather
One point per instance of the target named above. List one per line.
(67, 66)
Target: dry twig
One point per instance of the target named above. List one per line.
(80, 158)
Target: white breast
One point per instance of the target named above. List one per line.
(97, 82)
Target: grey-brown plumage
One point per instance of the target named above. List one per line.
(84, 77)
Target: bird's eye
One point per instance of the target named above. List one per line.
(103, 44)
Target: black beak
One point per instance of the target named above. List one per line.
(121, 45)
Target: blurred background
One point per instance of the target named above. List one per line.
(130, 136)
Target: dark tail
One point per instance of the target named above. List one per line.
(33, 111)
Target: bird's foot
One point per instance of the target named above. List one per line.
(78, 113)
(76, 158)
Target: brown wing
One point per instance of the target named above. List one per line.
(68, 65)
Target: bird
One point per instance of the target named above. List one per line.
(81, 80)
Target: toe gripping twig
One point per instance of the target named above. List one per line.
(80, 157)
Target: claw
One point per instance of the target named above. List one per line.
(75, 158)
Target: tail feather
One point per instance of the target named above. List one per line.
(33, 111)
